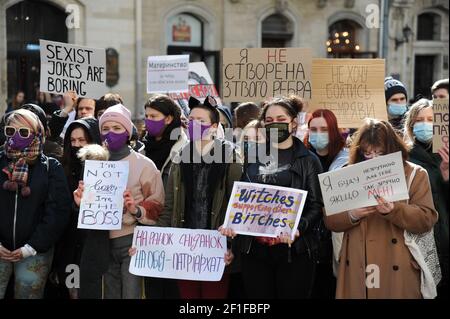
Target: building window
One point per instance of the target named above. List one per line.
(429, 27)
(26, 23)
(277, 31)
(343, 39)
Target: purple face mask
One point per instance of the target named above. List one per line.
(196, 130)
(115, 140)
(155, 128)
(19, 143)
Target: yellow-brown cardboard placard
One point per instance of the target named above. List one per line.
(352, 88)
(260, 73)
(440, 125)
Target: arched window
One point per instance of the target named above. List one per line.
(277, 31)
(26, 23)
(429, 27)
(343, 39)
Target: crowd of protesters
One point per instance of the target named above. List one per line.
(44, 145)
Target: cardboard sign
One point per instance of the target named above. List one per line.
(352, 88)
(259, 74)
(355, 186)
(200, 86)
(440, 125)
(102, 203)
(264, 210)
(66, 67)
(178, 253)
(167, 74)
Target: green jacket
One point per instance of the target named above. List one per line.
(431, 162)
(174, 206)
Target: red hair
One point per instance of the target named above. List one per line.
(336, 140)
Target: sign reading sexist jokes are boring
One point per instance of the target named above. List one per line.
(102, 202)
(178, 253)
(355, 186)
(66, 67)
(264, 210)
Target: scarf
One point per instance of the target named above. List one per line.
(18, 167)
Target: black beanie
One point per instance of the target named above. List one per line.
(393, 86)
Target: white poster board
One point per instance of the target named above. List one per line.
(264, 210)
(102, 202)
(167, 74)
(66, 67)
(355, 186)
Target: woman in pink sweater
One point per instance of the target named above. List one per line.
(143, 201)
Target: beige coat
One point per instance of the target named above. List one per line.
(379, 240)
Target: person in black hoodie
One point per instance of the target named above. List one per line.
(79, 133)
(35, 204)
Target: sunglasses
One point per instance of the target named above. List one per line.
(24, 132)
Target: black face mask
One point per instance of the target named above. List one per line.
(283, 131)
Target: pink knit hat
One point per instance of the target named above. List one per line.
(118, 113)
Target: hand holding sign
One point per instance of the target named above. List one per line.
(443, 152)
(78, 193)
(129, 203)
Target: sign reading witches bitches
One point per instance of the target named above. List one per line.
(102, 202)
(66, 67)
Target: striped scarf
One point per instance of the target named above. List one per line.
(17, 168)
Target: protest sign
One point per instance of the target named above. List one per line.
(352, 88)
(66, 67)
(355, 186)
(178, 253)
(258, 74)
(167, 74)
(200, 86)
(102, 202)
(440, 125)
(264, 210)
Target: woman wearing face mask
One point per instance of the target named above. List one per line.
(199, 187)
(278, 268)
(143, 202)
(35, 206)
(396, 101)
(419, 134)
(325, 140)
(164, 137)
(375, 235)
(79, 133)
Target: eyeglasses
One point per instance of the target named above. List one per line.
(373, 154)
(24, 132)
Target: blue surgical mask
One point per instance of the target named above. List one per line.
(318, 140)
(423, 131)
(396, 110)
